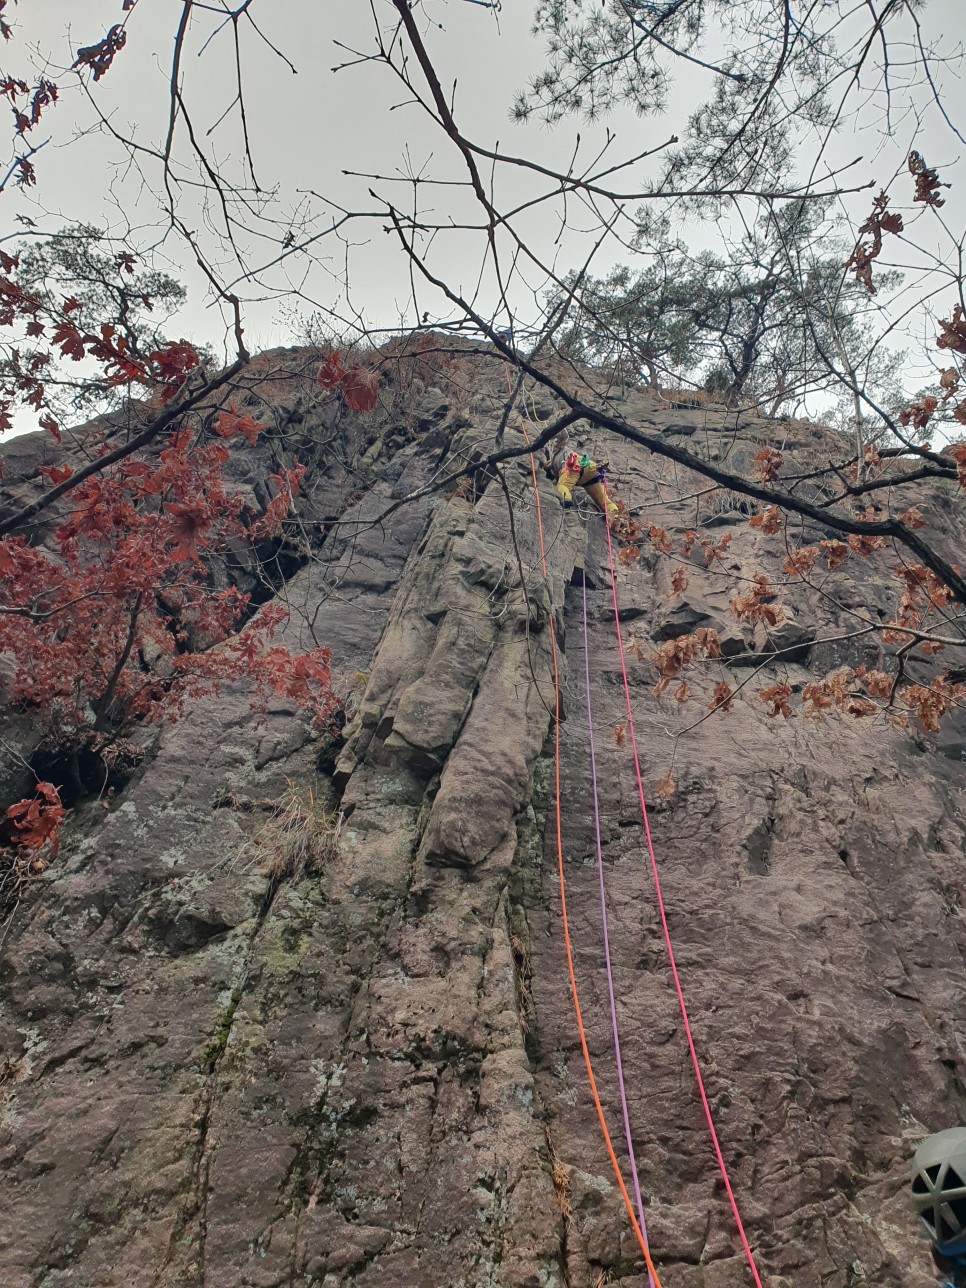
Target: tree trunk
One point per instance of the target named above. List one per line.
(653, 380)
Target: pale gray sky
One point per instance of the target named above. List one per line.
(307, 129)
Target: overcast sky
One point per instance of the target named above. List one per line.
(310, 127)
(305, 129)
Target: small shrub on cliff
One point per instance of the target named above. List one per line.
(117, 622)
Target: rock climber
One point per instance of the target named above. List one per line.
(939, 1194)
(572, 469)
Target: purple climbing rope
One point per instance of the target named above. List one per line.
(603, 916)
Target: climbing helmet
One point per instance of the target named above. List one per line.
(939, 1188)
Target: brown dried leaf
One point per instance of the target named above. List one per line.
(953, 334)
(777, 696)
(769, 520)
(927, 181)
(800, 561)
(836, 552)
(769, 463)
(722, 697)
(912, 518)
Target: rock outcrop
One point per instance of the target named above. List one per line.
(369, 1074)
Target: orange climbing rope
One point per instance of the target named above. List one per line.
(667, 933)
(642, 1242)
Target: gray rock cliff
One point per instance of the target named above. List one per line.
(216, 1077)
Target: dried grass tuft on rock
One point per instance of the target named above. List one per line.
(300, 836)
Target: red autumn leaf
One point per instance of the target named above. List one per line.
(56, 473)
(230, 422)
(713, 551)
(707, 640)
(8, 564)
(800, 561)
(927, 181)
(171, 364)
(660, 539)
(36, 820)
(99, 57)
(769, 463)
(45, 95)
(190, 523)
(877, 684)
(769, 520)
(722, 697)
(10, 88)
(360, 389)
(26, 174)
(912, 518)
(777, 695)
(48, 423)
(70, 340)
(331, 371)
(123, 597)
(836, 552)
(953, 332)
(866, 252)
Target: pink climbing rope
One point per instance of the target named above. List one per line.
(585, 1049)
(603, 917)
(667, 934)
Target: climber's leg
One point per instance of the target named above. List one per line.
(566, 482)
(597, 492)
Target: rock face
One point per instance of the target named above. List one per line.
(370, 1075)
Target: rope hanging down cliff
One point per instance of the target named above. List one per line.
(628, 1137)
(664, 926)
(638, 1232)
(638, 1227)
